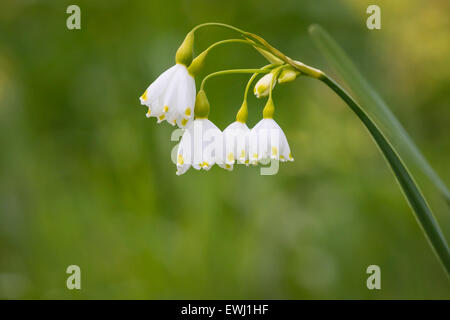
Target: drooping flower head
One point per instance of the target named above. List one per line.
(201, 145)
(267, 140)
(236, 140)
(171, 97)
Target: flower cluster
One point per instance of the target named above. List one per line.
(172, 97)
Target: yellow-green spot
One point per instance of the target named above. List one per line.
(261, 89)
(230, 156)
(184, 121)
(274, 151)
(144, 95)
(180, 159)
(187, 112)
(166, 108)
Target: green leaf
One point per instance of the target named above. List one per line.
(386, 125)
(375, 107)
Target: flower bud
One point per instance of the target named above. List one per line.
(287, 75)
(186, 51)
(262, 87)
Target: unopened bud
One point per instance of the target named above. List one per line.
(287, 75)
(262, 87)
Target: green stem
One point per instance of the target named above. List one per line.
(412, 193)
(224, 25)
(249, 83)
(232, 71)
(215, 44)
(276, 72)
(197, 64)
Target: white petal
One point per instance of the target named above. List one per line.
(156, 89)
(186, 98)
(236, 141)
(263, 142)
(171, 96)
(268, 141)
(184, 153)
(212, 144)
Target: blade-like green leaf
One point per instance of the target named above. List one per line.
(411, 191)
(375, 107)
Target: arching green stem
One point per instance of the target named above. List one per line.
(197, 64)
(249, 83)
(215, 44)
(269, 108)
(275, 72)
(218, 24)
(242, 113)
(231, 71)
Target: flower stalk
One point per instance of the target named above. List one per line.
(163, 100)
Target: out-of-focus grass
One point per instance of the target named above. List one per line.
(86, 179)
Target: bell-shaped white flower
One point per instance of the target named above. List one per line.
(268, 141)
(262, 87)
(236, 144)
(201, 146)
(171, 97)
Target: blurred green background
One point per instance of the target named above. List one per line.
(86, 178)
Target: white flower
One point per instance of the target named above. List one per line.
(268, 141)
(171, 96)
(262, 87)
(201, 146)
(236, 148)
